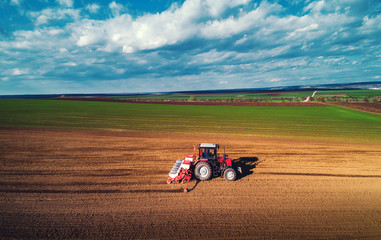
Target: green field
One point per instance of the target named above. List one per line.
(349, 93)
(323, 122)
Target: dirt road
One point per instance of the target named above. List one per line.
(103, 185)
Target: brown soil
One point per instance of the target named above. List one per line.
(112, 185)
(179, 102)
(373, 107)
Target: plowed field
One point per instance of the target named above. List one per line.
(107, 185)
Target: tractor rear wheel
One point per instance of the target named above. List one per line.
(203, 171)
(230, 174)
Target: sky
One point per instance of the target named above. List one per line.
(99, 46)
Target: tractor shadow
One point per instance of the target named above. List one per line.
(247, 164)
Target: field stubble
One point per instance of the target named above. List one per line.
(99, 184)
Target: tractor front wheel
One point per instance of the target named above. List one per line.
(230, 174)
(203, 171)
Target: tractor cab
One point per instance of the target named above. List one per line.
(208, 151)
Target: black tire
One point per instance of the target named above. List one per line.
(203, 171)
(230, 174)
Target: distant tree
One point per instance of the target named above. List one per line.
(191, 99)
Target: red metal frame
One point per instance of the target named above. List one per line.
(184, 175)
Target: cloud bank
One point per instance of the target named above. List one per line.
(192, 45)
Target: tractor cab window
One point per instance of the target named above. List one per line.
(207, 153)
(213, 153)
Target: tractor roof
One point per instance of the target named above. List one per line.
(208, 145)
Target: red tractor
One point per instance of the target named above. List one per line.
(208, 164)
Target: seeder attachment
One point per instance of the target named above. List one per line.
(181, 172)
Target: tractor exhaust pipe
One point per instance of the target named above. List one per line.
(224, 154)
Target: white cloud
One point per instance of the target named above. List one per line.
(303, 31)
(216, 8)
(172, 26)
(63, 50)
(15, 2)
(242, 40)
(146, 32)
(48, 14)
(315, 6)
(17, 72)
(93, 8)
(275, 79)
(115, 8)
(42, 19)
(334, 60)
(67, 3)
(231, 26)
(55, 31)
(70, 64)
(5, 79)
(371, 24)
(212, 56)
(41, 40)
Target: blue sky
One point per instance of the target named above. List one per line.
(97, 46)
